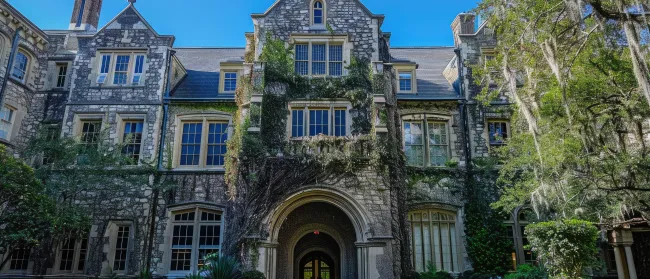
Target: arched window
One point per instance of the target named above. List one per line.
(318, 13)
(196, 233)
(19, 70)
(433, 239)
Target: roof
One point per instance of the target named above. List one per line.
(203, 66)
(432, 61)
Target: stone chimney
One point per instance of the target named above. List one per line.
(463, 24)
(85, 15)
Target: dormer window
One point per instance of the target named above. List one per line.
(318, 13)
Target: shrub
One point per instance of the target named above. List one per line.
(193, 276)
(222, 267)
(527, 271)
(432, 273)
(565, 247)
(253, 274)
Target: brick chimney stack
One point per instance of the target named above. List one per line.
(463, 24)
(85, 15)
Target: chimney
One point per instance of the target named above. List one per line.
(463, 24)
(85, 15)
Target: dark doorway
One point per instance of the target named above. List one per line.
(317, 265)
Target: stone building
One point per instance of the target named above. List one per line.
(180, 104)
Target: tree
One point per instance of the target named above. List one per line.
(565, 247)
(577, 73)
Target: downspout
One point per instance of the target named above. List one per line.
(159, 169)
(12, 54)
(464, 118)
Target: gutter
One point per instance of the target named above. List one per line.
(12, 55)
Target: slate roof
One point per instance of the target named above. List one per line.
(202, 65)
(431, 61)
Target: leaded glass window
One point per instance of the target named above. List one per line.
(433, 240)
(318, 59)
(196, 234)
(302, 59)
(336, 60)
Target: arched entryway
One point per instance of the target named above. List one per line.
(317, 265)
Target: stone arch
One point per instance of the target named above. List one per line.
(306, 230)
(352, 209)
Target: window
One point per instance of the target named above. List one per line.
(72, 256)
(319, 59)
(426, 141)
(19, 259)
(121, 248)
(90, 133)
(196, 233)
(434, 240)
(319, 120)
(521, 254)
(62, 73)
(405, 81)
(121, 68)
(230, 82)
(19, 71)
(498, 132)
(203, 143)
(318, 13)
(67, 255)
(6, 122)
(132, 139)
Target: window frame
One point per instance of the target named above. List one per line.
(112, 233)
(206, 120)
(410, 68)
(8, 123)
(196, 233)
(455, 261)
(229, 67)
(109, 76)
(328, 41)
(76, 258)
(25, 71)
(323, 10)
(425, 119)
(132, 118)
(306, 107)
(61, 78)
(487, 131)
(79, 133)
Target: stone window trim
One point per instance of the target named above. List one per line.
(111, 234)
(76, 259)
(61, 77)
(7, 270)
(425, 118)
(406, 68)
(521, 254)
(23, 70)
(331, 106)
(313, 10)
(204, 118)
(80, 118)
(104, 75)
(487, 131)
(122, 119)
(7, 122)
(310, 40)
(454, 215)
(229, 68)
(195, 206)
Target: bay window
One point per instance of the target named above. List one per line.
(426, 140)
(121, 68)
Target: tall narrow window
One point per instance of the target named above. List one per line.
(19, 259)
(437, 143)
(498, 132)
(121, 248)
(90, 133)
(132, 139)
(6, 122)
(336, 60)
(67, 254)
(318, 12)
(405, 81)
(339, 122)
(434, 240)
(318, 122)
(83, 250)
(192, 227)
(230, 81)
(191, 144)
(217, 137)
(318, 59)
(104, 68)
(302, 59)
(297, 123)
(19, 70)
(414, 142)
(121, 69)
(138, 69)
(62, 74)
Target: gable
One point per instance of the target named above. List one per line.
(130, 19)
(279, 3)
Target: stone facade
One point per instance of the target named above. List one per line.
(355, 218)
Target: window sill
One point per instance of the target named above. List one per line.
(195, 170)
(20, 83)
(117, 86)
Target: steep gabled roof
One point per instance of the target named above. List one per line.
(131, 9)
(380, 16)
(432, 61)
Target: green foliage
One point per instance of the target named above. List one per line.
(433, 273)
(145, 274)
(193, 276)
(223, 267)
(527, 271)
(565, 247)
(253, 274)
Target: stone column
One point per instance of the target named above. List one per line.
(267, 260)
(630, 262)
(620, 268)
(367, 254)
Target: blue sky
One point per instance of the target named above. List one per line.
(223, 22)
